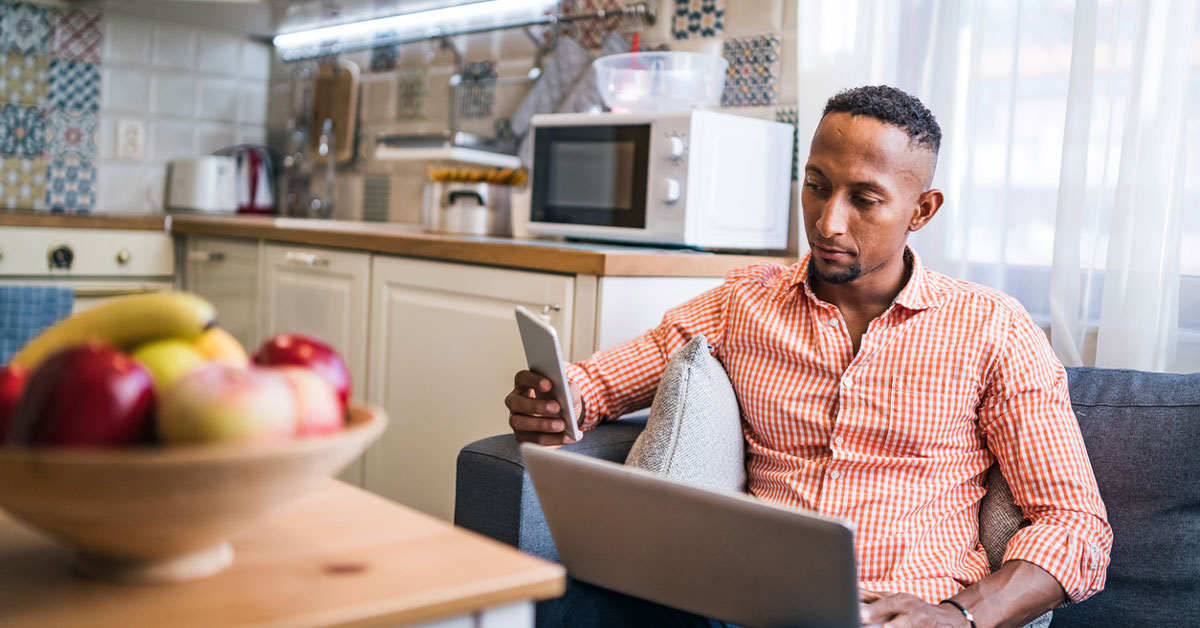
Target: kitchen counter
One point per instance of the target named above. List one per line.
(412, 241)
(82, 221)
(338, 556)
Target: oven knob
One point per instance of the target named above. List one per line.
(123, 256)
(671, 190)
(61, 256)
(675, 147)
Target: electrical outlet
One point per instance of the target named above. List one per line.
(131, 139)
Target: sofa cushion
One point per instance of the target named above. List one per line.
(1141, 431)
(694, 433)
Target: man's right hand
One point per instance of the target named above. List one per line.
(534, 414)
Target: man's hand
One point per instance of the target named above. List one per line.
(534, 414)
(901, 610)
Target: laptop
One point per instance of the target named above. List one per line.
(721, 555)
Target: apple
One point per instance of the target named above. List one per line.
(85, 396)
(218, 345)
(167, 360)
(12, 381)
(298, 350)
(318, 409)
(218, 403)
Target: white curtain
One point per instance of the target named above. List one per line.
(1070, 129)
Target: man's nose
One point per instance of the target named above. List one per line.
(832, 220)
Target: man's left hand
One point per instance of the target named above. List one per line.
(902, 610)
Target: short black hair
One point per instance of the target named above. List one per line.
(892, 106)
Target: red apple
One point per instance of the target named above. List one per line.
(86, 396)
(219, 403)
(318, 409)
(12, 381)
(298, 350)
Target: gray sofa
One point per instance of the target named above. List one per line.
(1141, 431)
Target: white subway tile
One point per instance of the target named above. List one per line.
(217, 99)
(752, 17)
(256, 60)
(174, 47)
(125, 89)
(279, 104)
(120, 187)
(126, 39)
(219, 53)
(174, 94)
(251, 134)
(211, 137)
(105, 137)
(788, 72)
(171, 140)
(252, 102)
(378, 94)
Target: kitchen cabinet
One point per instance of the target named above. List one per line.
(226, 272)
(321, 293)
(444, 348)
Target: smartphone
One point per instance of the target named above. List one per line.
(544, 356)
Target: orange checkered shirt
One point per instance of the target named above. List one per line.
(898, 438)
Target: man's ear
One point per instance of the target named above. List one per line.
(928, 204)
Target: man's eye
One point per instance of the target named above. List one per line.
(861, 200)
(813, 186)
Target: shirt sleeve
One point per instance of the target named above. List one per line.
(1027, 418)
(619, 380)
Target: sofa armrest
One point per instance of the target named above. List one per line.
(494, 497)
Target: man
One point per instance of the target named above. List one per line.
(879, 391)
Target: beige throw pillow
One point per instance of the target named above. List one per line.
(694, 433)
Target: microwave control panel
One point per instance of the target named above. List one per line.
(667, 189)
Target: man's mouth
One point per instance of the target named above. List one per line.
(829, 254)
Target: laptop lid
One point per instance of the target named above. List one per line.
(722, 555)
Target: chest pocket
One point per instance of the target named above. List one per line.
(932, 415)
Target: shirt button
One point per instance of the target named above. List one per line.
(832, 322)
(837, 441)
(833, 475)
(847, 381)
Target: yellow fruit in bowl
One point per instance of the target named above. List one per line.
(168, 360)
(218, 345)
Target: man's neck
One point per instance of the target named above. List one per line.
(862, 300)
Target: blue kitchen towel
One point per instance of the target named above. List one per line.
(26, 310)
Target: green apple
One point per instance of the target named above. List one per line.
(168, 360)
(218, 403)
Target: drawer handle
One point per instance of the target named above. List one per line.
(205, 256)
(305, 259)
(104, 293)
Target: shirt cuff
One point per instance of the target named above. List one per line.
(1077, 563)
(590, 393)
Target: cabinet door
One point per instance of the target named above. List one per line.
(321, 293)
(444, 348)
(226, 272)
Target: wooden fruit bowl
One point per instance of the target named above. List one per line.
(167, 514)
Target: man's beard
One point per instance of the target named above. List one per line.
(845, 276)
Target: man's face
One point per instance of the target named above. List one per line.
(863, 189)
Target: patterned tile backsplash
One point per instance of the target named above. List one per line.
(65, 87)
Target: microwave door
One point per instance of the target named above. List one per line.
(591, 175)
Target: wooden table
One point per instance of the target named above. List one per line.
(337, 557)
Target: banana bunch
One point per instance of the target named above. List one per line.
(124, 323)
(501, 176)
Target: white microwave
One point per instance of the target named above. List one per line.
(697, 178)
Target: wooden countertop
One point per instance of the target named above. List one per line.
(337, 557)
(412, 241)
(82, 221)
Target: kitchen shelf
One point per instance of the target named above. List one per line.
(450, 153)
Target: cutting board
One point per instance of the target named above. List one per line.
(336, 98)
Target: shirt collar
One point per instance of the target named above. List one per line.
(917, 294)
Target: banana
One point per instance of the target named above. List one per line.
(123, 322)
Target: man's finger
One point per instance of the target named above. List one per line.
(523, 423)
(531, 380)
(532, 406)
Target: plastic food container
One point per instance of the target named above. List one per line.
(660, 81)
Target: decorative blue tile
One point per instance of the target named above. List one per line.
(752, 79)
(70, 186)
(385, 56)
(22, 132)
(72, 133)
(74, 85)
(412, 90)
(22, 183)
(25, 28)
(78, 34)
(791, 116)
(698, 18)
